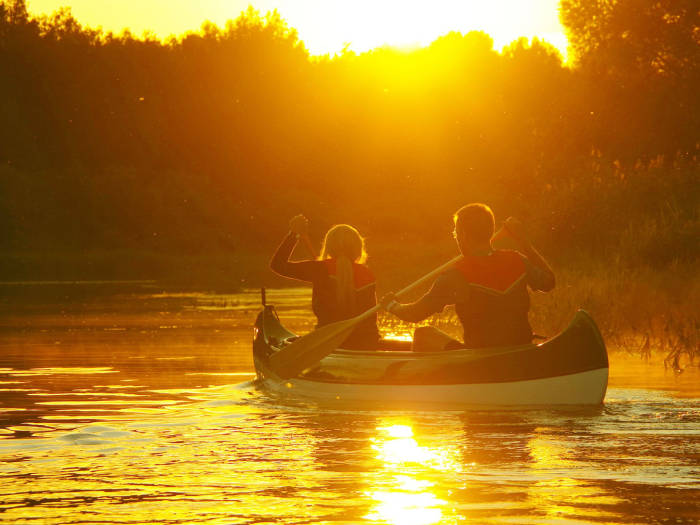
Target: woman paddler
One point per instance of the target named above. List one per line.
(343, 286)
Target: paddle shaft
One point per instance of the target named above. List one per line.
(411, 286)
(429, 276)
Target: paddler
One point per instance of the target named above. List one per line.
(343, 286)
(488, 287)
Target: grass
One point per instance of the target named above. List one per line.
(641, 309)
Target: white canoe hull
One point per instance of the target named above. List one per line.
(584, 388)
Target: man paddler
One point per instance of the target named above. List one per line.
(488, 287)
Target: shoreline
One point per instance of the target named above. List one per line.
(638, 307)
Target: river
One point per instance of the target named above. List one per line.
(139, 406)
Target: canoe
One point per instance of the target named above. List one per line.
(568, 369)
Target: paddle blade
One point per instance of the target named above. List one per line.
(310, 349)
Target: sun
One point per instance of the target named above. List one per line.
(330, 26)
(362, 25)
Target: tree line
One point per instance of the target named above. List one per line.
(211, 140)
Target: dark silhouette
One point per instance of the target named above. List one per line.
(117, 150)
(488, 287)
(113, 141)
(343, 287)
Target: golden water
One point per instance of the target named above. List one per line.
(140, 408)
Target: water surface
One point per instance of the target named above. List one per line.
(140, 407)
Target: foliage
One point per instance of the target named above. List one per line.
(209, 141)
(640, 61)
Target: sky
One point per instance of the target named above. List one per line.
(327, 26)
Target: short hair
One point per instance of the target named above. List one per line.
(475, 221)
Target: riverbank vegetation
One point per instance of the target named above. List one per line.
(132, 158)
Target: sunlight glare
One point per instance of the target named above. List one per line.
(367, 24)
(330, 26)
(398, 336)
(404, 488)
(398, 431)
(406, 508)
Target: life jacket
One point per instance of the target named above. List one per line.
(496, 274)
(495, 311)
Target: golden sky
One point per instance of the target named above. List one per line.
(326, 26)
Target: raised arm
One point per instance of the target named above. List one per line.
(541, 275)
(280, 263)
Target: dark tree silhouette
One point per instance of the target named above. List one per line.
(642, 61)
(208, 141)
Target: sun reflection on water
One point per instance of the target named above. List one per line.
(398, 335)
(101, 429)
(406, 486)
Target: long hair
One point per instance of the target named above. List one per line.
(345, 244)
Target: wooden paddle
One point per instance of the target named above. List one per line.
(311, 348)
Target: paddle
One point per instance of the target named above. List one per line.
(311, 348)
